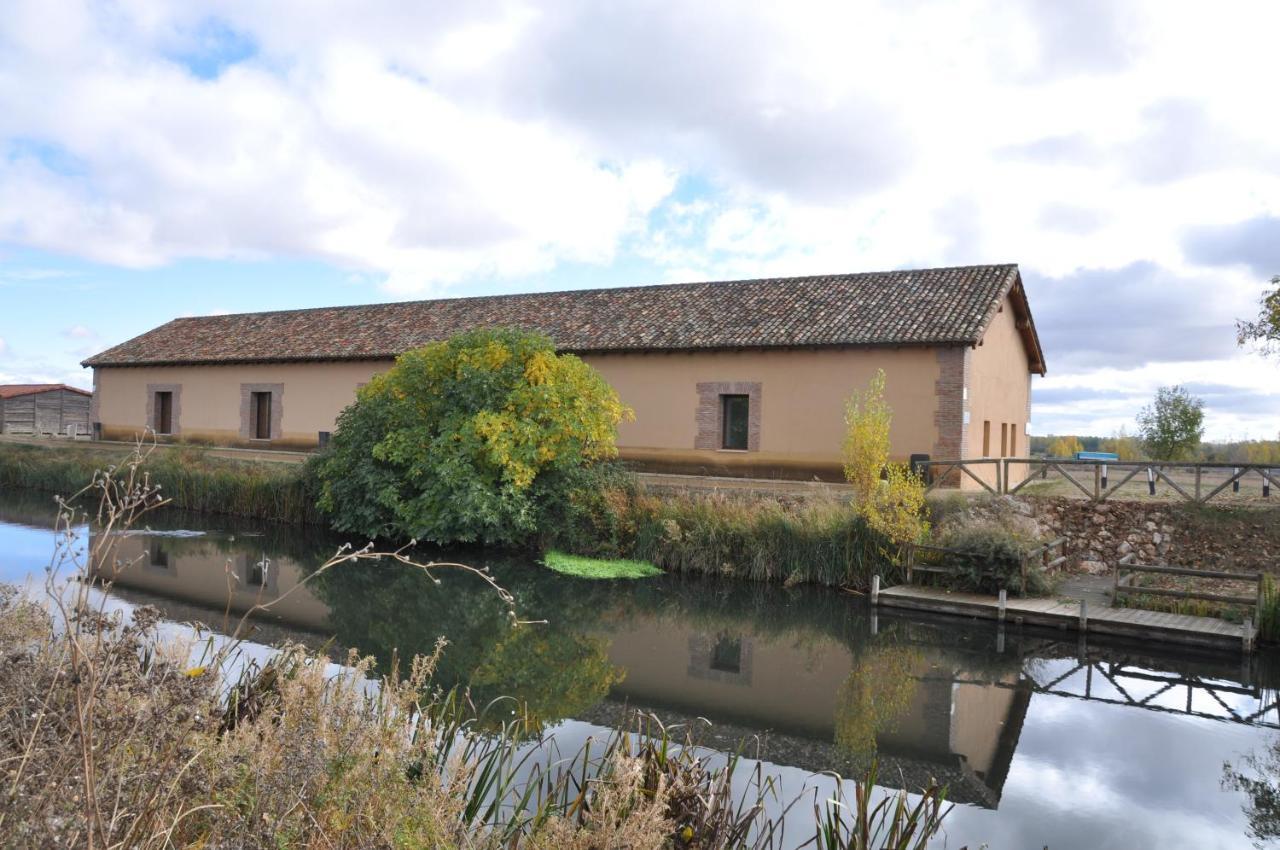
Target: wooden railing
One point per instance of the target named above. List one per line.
(1127, 572)
(1048, 556)
(1101, 480)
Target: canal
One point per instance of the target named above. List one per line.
(1041, 740)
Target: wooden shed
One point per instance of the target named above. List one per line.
(44, 409)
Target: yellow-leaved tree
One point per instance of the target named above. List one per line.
(888, 495)
(1065, 446)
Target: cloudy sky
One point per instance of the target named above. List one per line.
(161, 159)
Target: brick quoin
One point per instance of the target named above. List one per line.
(950, 403)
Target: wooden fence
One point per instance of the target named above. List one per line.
(1127, 572)
(1100, 480)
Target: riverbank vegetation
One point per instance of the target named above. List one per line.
(112, 735)
(816, 541)
(189, 477)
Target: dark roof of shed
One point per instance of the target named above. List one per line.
(15, 390)
(929, 307)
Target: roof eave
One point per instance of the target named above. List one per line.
(97, 363)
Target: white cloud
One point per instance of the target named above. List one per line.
(429, 145)
(79, 332)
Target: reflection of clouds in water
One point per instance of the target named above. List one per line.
(149, 532)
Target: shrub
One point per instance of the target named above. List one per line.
(472, 439)
(988, 558)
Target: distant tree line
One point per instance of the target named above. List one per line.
(1130, 447)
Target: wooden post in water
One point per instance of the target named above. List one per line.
(875, 590)
(1248, 634)
(1084, 616)
(1004, 594)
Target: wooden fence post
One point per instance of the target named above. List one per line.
(1097, 482)
(1197, 482)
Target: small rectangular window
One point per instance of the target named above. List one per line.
(164, 413)
(260, 410)
(986, 438)
(1013, 439)
(1004, 439)
(726, 655)
(159, 557)
(735, 411)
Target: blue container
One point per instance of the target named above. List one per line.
(1112, 456)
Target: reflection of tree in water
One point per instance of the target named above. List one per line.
(877, 692)
(1258, 776)
(553, 670)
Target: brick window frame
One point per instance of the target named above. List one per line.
(710, 413)
(247, 429)
(175, 408)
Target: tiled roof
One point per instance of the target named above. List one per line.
(15, 390)
(949, 306)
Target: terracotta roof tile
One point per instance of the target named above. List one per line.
(920, 307)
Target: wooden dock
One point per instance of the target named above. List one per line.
(1066, 614)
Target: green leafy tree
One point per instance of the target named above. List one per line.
(1265, 331)
(472, 439)
(1172, 425)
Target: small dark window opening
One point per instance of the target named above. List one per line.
(726, 655)
(256, 574)
(735, 410)
(260, 409)
(159, 557)
(164, 413)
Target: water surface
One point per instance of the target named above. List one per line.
(1041, 740)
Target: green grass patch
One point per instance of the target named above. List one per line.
(583, 567)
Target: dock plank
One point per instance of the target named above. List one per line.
(1130, 622)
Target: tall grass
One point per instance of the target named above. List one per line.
(189, 478)
(816, 541)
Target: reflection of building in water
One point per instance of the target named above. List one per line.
(214, 572)
(947, 726)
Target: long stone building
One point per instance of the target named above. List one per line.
(737, 377)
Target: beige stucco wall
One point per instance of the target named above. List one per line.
(209, 406)
(999, 384)
(802, 396)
